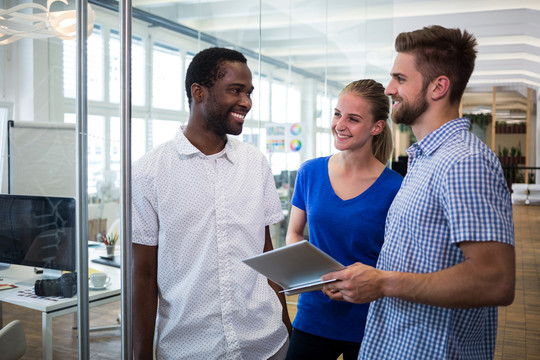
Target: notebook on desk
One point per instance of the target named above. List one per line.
(115, 261)
(297, 268)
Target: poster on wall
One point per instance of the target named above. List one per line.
(275, 139)
(295, 137)
(284, 138)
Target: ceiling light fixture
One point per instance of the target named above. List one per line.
(16, 23)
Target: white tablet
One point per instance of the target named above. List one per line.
(296, 268)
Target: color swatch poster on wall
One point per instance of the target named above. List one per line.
(284, 138)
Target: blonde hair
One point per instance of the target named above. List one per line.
(373, 92)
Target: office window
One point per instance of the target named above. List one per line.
(138, 69)
(279, 102)
(138, 72)
(138, 138)
(163, 130)
(115, 148)
(293, 160)
(138, 141)
(189, 57)
(324, 111)
(260, 109)
(160, 103)
(166, 77)
(323, 144)
(284, 161)
(286, 103)
(95, 66)
(138, 144)
(96, 150)
(69, 118)
(294, 105)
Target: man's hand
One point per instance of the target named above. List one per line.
(358, 283)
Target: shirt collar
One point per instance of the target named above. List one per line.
(436, 138)
(186, 149)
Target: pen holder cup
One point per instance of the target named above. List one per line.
(110, 250)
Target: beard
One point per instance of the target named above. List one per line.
(409, 111)
(218, 119)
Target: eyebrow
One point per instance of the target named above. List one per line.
(397, 74)
(352, 114)
(242, 86)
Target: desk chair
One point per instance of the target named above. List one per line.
(12, 341)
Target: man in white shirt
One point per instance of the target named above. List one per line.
(201, 203)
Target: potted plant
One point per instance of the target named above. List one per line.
(521, 158)
(504, 157)
(481, 120)
(513, 155)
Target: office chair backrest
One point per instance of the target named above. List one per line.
(12, 341)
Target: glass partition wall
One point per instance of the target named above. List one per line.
(301, 53)
(45, 149)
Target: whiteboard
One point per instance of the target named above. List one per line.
(41, 158)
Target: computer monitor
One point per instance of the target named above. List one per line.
(38, 231)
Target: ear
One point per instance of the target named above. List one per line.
(378, 127)
(439, 87)
(197, 92)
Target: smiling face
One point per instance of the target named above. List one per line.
(229, 99)
(353, 125)
(407, 90)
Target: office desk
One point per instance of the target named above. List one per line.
(24, 277)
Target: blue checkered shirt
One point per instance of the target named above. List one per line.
(454, 191)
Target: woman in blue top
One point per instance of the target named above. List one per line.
(344, 199)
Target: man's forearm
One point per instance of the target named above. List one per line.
(485, 278)
(453, 287)
(145, 300)
(283, 301)
(144, 319)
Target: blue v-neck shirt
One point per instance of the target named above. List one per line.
(348, 230)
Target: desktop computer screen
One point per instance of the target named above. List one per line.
(38, 231)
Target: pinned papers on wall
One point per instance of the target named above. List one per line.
(284, 138)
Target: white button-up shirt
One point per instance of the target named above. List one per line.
(205, 220)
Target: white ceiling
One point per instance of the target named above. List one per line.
(351, 39)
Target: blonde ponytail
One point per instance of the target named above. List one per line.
(373, 93)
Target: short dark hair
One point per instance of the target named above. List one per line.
(204, 68)
(441, 51)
